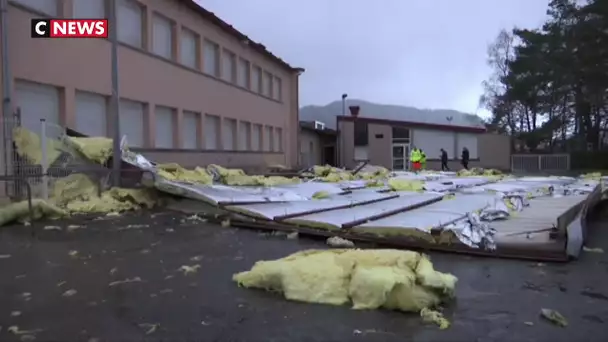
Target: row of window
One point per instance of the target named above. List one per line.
(218, 133)
(216, 61)
(198, 131)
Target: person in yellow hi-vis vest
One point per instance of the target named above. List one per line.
(415, 157)
(422, 160)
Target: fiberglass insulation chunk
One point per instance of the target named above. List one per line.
(369, 279)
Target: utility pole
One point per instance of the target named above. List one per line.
(115, 99)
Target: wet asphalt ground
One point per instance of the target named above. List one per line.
(118, 279)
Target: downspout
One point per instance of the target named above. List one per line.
(6, 79)
(6, 72)
(299, 72)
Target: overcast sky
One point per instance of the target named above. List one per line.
(420, 53)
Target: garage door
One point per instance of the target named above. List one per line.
(132, 122)
(468, 140)
(38, 101)
(91, 114)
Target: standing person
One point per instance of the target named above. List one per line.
(415, 159)
(422, 160)
(444, 161)
(465, 158)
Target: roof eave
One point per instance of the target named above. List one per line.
(457, 128)
(210, 16)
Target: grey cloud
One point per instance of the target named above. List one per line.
(420, 53)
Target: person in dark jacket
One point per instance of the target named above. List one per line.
(444, 161)
(465, 158)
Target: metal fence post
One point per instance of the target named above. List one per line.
(44, 160)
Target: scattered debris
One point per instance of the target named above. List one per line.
(126, 281)
(52, 228)
(61, 283)
(113, 270)
(15, 313)
(150, 328)
(554, 317)
(226, 223)
(15, 330)
(145, 251)
(69, 293)
(195, 217)
(433, 316)
(134, 226)
(73, 253)
(73, 227)
(528, 323)
(336, 241)
(5, 256)
(197, 258)
(165, 291)
(593, 250)
(293, 235)
(189, 269)
(26, 296)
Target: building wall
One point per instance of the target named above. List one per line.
(380, 145)
(486, 149)
(311, 146)
(346, 148)
(175, 90)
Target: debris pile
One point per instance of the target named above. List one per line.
(369, 279)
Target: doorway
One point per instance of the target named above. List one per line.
(329, 155)
(401, 156)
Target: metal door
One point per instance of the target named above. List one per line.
(401, 156)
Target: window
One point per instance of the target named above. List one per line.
(242, 76)
(267, 84)
(129, 15)
(276, 89)
(190, 130)
(88, 9)
(256, 79)
(164, 127)
(162, 36)
(228, 134)
(91, 114)
(244, 135)
(278, 139)
(212, 126)
(36, 101)
(132, 122)
(189, 49)
(211, 53)
(228, 66)
(256, 137)
(360, 133)
(45, 6)
(268, 138)
(401, 135)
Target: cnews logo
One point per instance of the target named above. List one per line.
(69, 28)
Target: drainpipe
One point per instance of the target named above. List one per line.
(6, 72)
(338, 157)
(114, 101)
(6, 79)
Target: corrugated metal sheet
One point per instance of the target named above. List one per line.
(341, 218)
(272, 211)
(430, 216)
(543, 213)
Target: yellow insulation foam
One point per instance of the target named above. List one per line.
(369, 279)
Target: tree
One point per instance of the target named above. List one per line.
(551, 83)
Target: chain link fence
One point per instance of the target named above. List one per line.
(35, 156)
